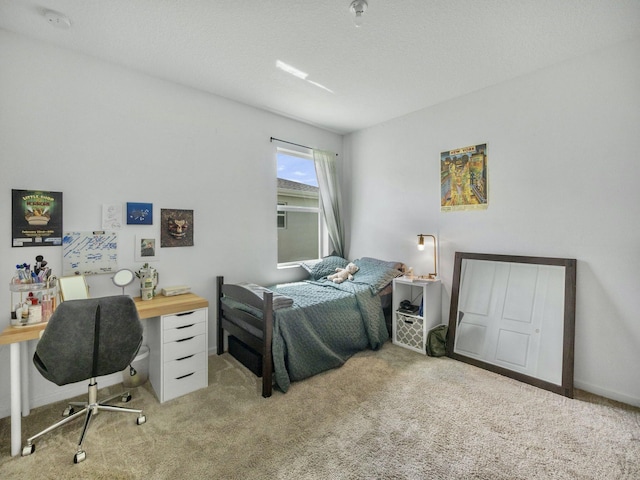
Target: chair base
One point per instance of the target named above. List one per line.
(88, 409)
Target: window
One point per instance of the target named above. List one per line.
(301, 228)
(282, 216)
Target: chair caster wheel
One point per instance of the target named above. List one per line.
(80, 456)
(126, 398)
(28, 450)
(68, 412)
(141, 419)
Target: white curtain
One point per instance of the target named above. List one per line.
(325, 163)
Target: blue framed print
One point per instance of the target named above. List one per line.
(139, 213)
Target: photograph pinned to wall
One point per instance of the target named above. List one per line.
(464, 180)
(146, 248)
(111, 216)
(176, 229)
(139, 213)
(36, 218)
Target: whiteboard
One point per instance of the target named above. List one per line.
(89, 253)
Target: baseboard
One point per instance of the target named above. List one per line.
(63, 393)
(603, 392)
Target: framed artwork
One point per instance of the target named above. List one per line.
(464, 180)
(36, 218)
(176, 229)
(146, 248)
(139, 213)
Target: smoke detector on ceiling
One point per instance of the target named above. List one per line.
(56, 19)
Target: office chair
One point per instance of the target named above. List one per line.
(85, 339)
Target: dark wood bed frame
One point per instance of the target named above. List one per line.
(261, 345)
(265, 325)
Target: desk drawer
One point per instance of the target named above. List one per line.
(185, 331)
(183, 366)
(184, 347)
(182, 319)
(176, 387)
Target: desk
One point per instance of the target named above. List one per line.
(16, 336)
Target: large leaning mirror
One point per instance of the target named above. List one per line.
(515, 315)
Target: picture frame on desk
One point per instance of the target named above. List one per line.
(146, 248)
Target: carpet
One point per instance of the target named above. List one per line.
(388, 414)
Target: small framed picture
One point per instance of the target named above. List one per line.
(177, 228)
(139, 213)
(146, 248)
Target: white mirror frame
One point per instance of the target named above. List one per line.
(123, 277)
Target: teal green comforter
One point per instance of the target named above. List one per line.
(326, 325)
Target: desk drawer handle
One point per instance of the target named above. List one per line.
(185, 376)
(185, 339)
(185, 326)
(184, 313)
(184, 358)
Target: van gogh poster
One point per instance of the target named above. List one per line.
(36, 218)
(463, 179)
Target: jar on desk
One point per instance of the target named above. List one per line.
(32, 302)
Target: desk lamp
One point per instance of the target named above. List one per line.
(421, 247)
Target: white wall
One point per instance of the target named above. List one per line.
(563, 182)
(562, 174)
(103, 134)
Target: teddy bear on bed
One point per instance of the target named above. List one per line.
(343, 274)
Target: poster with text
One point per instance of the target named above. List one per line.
(36, 218)
(463, 179)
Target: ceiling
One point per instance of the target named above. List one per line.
(407, 55)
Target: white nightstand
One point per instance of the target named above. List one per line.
(410, 328)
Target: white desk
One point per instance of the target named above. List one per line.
(16, 336)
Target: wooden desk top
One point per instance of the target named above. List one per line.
(160, 305)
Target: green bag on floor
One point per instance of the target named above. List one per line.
(437, 341)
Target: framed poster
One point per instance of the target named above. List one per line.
(145, 249)
(176, 229)
(139, 213)
(463, 179)
(36, 218)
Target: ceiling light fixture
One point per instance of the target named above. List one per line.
(358, 7)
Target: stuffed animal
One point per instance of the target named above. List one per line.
(343, 274)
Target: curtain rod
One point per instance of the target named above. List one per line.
(271, 139)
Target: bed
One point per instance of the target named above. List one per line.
(300, 329)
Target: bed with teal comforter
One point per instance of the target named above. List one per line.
(317, 325)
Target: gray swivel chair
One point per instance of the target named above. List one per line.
(85, 339)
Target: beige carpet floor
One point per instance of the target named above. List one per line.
(391, 414)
